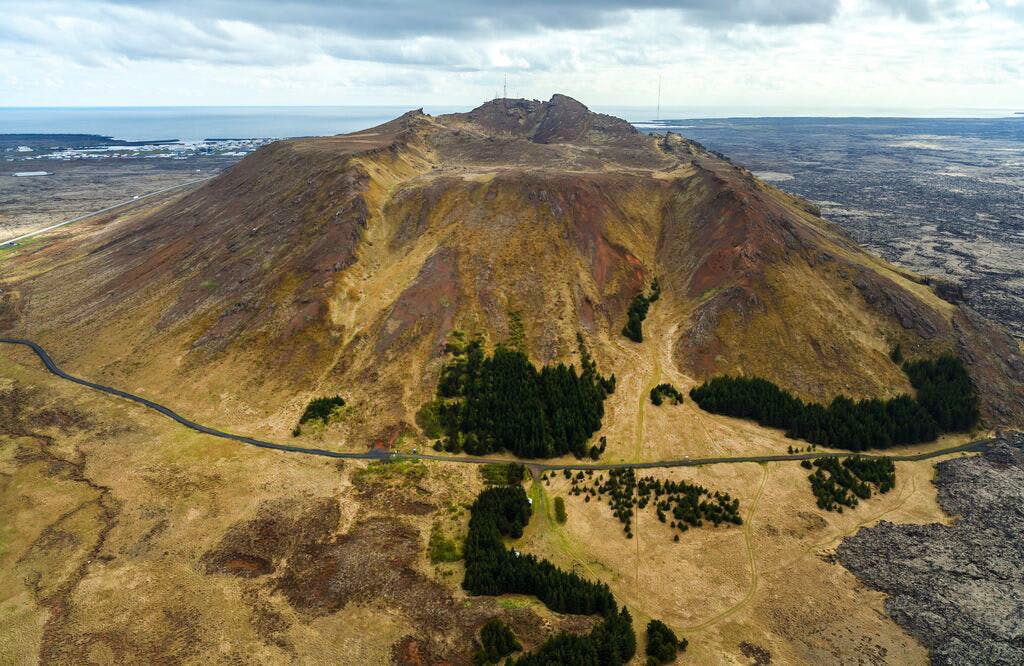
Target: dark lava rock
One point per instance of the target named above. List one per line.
(958, 588)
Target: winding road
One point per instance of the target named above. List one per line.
(380, 454)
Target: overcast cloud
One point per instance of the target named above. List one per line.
(752, 53)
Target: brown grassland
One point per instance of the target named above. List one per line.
(129, 538)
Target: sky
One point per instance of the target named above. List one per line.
(813, 54)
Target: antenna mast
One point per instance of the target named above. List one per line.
(504, 88)
(658, 113)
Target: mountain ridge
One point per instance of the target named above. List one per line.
(344, 262)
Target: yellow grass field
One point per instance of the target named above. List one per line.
(131, 538)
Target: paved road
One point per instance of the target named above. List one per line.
(376, 454)
(102, 210)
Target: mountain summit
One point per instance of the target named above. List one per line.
(559, 120)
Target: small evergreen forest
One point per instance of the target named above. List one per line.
(503, 403)
(945, 391)
(946, 402)
(844, 483)
(493, 569)
(662, 391)
(638, 312)
(497, 641)
(682, 505)
(319, 409)
(662, 644)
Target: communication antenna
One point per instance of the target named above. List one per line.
(658, 113)
(504, 88)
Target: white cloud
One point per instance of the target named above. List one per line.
(751, 53)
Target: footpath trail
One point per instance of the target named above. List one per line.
(748, 538)
(377, 454)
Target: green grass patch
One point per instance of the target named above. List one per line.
(560, 510)
(515, 603)
(8, 250)
(441, 548)
(405, 471)
(516, 331)
(428, 418)
(502, 474)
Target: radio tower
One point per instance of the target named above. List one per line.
(504, 88)
(658, 112)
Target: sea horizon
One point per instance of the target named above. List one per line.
(194, 123)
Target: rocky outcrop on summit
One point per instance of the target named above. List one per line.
(559, 120)
(958, 588)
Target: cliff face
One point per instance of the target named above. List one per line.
(316, 264)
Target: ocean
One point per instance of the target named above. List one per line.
(201, 122)
(245, 122)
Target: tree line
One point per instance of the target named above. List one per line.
(610, 643)
(662, 643)
(946, 401)
(638, 312)
(662, 391)
(493, 569)
(689, 505)
(502, 402)
(497, 641)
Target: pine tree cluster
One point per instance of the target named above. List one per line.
(319, 409)
(946, 402)
(493, 569)
(946, 392)
(662, 391)
(844, 483)
(662, 643)
(497, 641)
(638, 312)
(502, 402)
(688, 505)
(610, 643)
